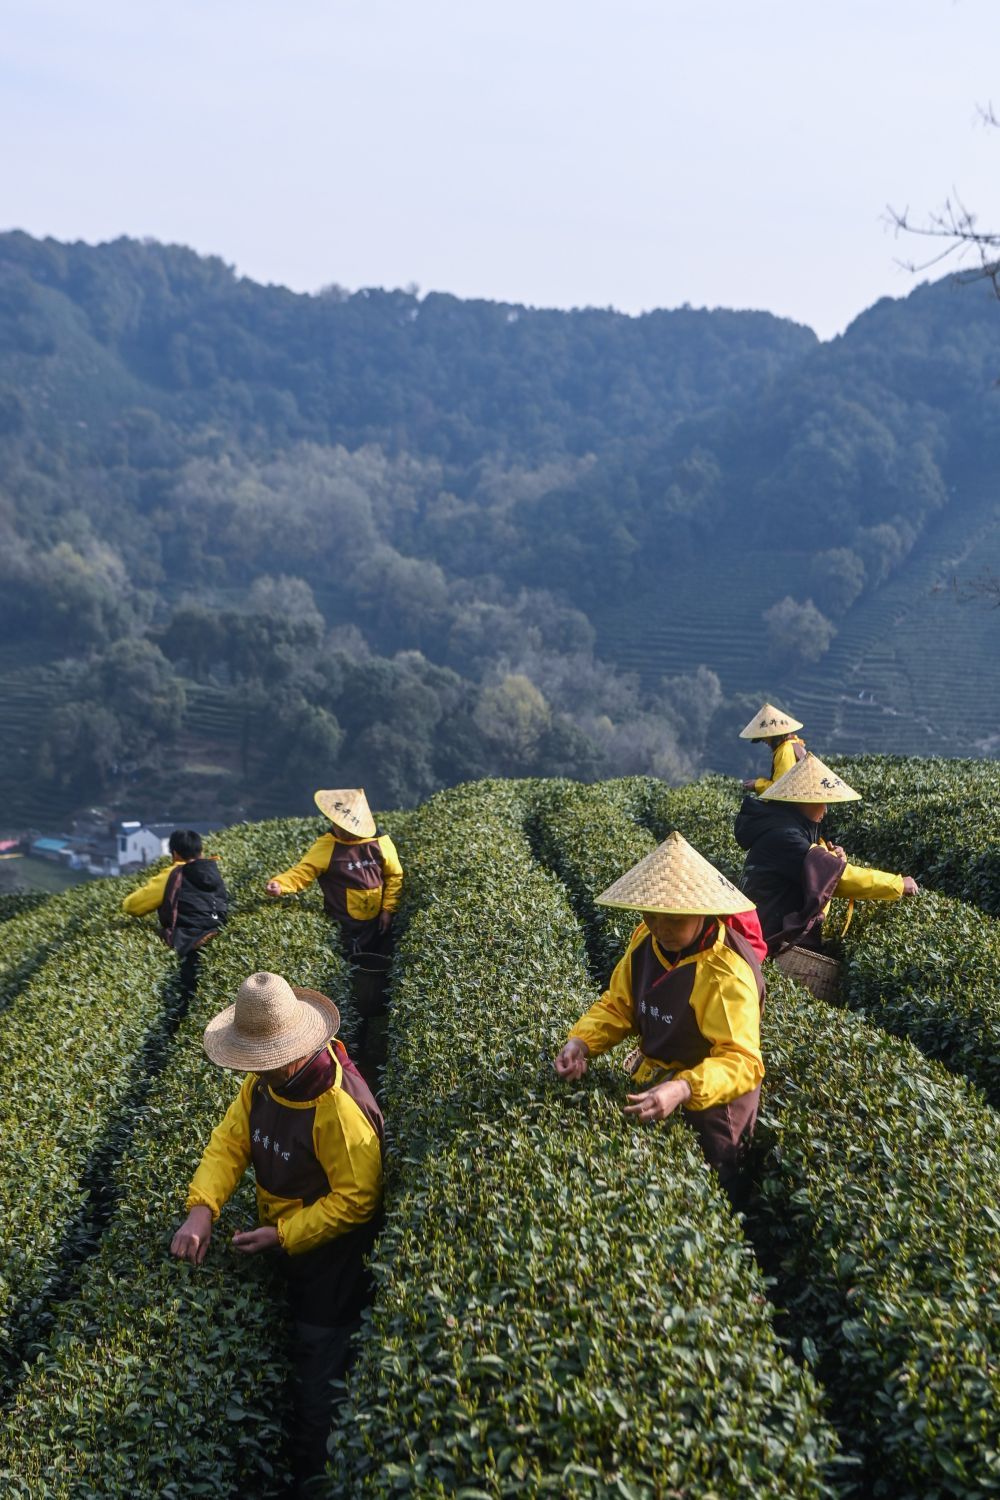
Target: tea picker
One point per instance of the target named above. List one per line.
(307, 1123)
(690, 988)
(777, 730)
(791, 871)
(361, 878)
(357, 868)
(190, 898)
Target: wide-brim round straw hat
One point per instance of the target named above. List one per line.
(767, 722)
(271, 1025)
(810, 781)
(678, 881)
(348, 808)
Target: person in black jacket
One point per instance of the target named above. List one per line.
(190, 898)
(791, 872)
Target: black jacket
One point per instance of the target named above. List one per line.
(195, 905)
(789, 880)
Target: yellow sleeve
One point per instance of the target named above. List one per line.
(727, 1011)
(782, 760)
(611, 1018)
(861, 884)
(227, 1155)
(348, 1148)
(312, 864)
(149, 896)
(392, 874)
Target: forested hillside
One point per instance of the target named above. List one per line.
(247, 534)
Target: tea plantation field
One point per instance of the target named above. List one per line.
(566, 1305)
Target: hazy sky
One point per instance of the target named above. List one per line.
(634, 153)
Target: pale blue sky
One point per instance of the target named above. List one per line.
(638, 153)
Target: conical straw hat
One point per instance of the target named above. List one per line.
(677, 880)
(810, 781)
(768, 721)
(270, 1025)
(348, 808)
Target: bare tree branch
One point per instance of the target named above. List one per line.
(955, 224)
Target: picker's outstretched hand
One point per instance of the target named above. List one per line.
(253, 1241)
(571, 1062)
(191, 1240)
(273, 888)
(910, 887)
(658, 1103)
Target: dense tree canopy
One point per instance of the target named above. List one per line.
(394, 529)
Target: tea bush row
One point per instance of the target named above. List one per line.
(879, 1209)
(15, 903)
(159, 1377)
(575, 832)
(565, 1304)
(928, 968)
(72, 1047)
(29, 937)
(944, 833)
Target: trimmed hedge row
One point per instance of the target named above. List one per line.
(704, 811)
(15, 903)
(929, 969)
(73, 1044)
(933, 820)
(29, 937)
(160, 1378)
(576, 830)
(880, 1212)
(565, 1304)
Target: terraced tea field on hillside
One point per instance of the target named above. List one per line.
(566, 1304)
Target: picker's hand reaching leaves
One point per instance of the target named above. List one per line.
(273, 888)
(910, 887)
(253, 1241)
(571, 1062)
(191, 1240)
(658, 1103)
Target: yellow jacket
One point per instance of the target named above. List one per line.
(362, 902)
(859, 883)
(149, 896)
(783, 759)
(330, 1136)
(726, 1009)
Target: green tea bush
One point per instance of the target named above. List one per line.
(576, 830)
(934, 819)
(29, 937)
(73, 1042)
(15, 903)
(159, 1377)
(879, 1211)
(704, 812)
(565, 1304)
(928, 968)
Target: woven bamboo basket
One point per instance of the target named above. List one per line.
(817, 972)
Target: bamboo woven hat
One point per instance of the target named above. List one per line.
(270, 1025)
(678, 881)
(768, 721)
(348, 808)
(810, 781)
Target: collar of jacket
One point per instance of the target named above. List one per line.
(315, 1078)
(707, 939)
